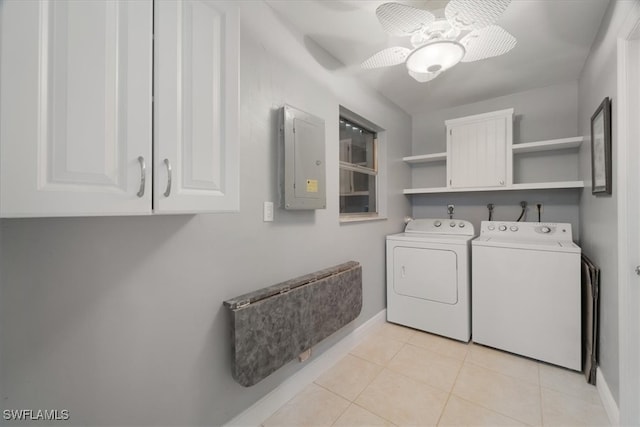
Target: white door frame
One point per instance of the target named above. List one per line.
(628, 164)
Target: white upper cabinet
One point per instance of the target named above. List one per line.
(76, 132)
(196, 106)
(75, 108)
(477, 150)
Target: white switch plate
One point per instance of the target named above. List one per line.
(267, 212)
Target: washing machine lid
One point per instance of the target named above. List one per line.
(547, 236)
(527, 244)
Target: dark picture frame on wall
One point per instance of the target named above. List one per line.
(601, 149)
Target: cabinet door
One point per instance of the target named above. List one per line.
(477, 153)
(75, 103)
(196, 106)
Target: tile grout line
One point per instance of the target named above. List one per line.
(489, 409)
(508, 355)
(573, 396)
(422, 382)
(353, 402)
(564, 392)
(495, 371)
(541, 397)
(438, 353)
(379, 416)
(465, 361)
(492, 409)
(341, 413)
(452, 387)
(367, 360)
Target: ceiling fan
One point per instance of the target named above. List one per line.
(467, 33)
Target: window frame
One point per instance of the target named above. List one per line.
(379, 172)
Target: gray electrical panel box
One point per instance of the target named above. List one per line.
(302, 162)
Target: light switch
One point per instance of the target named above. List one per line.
(267, 212)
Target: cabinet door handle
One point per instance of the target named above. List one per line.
(143, 176)
(168, 190)
(501, 182)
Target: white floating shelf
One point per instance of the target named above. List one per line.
(426, 158)
(547, 185)
(527, 186)
(553, 144)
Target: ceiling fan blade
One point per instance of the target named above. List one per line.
(474, 14)
(401, 20)
(387, 57)
(486, 43)
(423, 77)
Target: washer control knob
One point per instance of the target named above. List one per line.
(545, 229)
(437, 223)
(491, 227)
(502, 228)
(452, 224)
(461, 224)
(513, 228)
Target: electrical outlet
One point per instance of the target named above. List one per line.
(267, 212)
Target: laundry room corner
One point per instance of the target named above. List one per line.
(599, 213)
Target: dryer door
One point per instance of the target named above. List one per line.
(426, 273)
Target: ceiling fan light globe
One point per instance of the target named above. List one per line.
(434, 57)
(423, 77)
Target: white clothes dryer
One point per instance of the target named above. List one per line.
(527, 291)
(428, 277)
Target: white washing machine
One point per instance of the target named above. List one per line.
(428, 277)
(527, 292)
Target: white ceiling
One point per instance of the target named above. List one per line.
(554, 38)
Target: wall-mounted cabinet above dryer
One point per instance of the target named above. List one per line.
(477, 150)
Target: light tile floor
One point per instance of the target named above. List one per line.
(402, 377)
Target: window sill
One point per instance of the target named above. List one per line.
(347, 219)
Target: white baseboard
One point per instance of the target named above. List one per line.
(265, 407)
(607, 399)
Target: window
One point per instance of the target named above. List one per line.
(358, 170)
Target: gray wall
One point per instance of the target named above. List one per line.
(558, 206)
(598, 215)
(540, 114)
(120, 319)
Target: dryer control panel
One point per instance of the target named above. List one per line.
(440, 226)
(557, 231)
